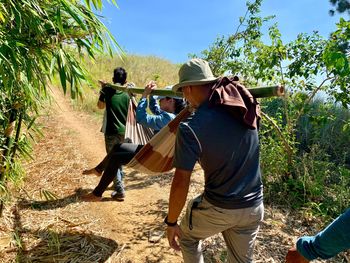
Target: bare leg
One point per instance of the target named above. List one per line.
(90, 197)
(121, 155)
(98, 170)
(92, 171)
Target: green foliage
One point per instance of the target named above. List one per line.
(40, 38)
(325, 124)
(297, 124)
(298, 64)
(342, 6)
(322, 187)
(325, 184)
(337, 59)
(14, 175)
(318, 179)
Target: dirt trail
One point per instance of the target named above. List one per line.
(65, 229)
(129, 223)
(89, 138)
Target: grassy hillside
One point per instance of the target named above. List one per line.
(141, 69)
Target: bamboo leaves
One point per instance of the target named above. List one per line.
(38, 40)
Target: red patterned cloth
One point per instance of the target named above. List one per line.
(134, 131)
(157, 155)
(237, 99)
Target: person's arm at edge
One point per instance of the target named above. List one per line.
(177, 200)
(154, 106)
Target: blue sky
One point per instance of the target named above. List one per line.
(174, 29)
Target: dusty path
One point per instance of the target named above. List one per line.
(64, 229)
(129, 223)
(72, 143)
(88, 137)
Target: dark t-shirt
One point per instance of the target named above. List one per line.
(117, 103)
(227, 151)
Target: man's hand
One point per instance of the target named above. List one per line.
(294, 256)
(102, 82)
(174, 234)
(148, 89)
(177, 200)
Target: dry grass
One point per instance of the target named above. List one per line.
(45, 221)
(140, 69)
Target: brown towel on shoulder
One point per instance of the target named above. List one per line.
(231, 94)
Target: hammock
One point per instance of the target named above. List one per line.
(157, 155)
(134, 131)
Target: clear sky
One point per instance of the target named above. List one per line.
(174, 29)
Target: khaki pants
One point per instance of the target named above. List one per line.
(239, 228)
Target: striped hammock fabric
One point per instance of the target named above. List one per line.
(134, 131)
(157, 155)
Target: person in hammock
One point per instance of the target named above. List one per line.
(121, 154)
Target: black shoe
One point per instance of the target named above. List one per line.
(118, 196)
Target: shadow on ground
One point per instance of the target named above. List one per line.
(53, 203)
(67, 247)
(60, 245)
(137, 180)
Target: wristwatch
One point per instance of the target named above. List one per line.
(168, 223)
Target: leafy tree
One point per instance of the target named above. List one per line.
(306, 66)
(40, 38)
(299, 64)
(341, 6)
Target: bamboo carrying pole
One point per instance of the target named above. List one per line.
(262, 92)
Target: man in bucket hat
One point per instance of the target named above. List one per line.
(228, 152)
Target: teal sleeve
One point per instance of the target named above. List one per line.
(334, 239)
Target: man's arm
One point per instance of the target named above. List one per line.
(154, 106)
(326, 244)
(178, 193)
(101, 105)
(177, 200)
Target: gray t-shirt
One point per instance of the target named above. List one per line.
(227, 151)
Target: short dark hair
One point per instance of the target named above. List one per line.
(119, 75)
(180, 104)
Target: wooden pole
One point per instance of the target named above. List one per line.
(262, 92)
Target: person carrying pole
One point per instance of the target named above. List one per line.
(116, 105)
(222, 136)
(122, 153)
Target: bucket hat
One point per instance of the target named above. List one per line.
(159, 97)
(194, 72)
